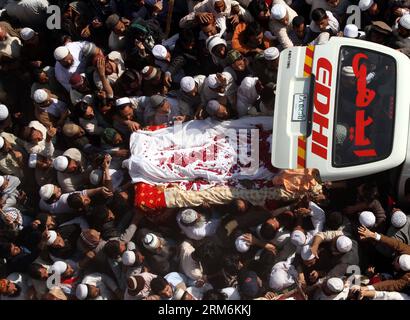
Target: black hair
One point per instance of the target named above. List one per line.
(253, 28)
(5, 249)
(99, 216)
(187, 36)
(75, 201)
(318, 15)
(370, 191)
(214, 294)
(268, 92)
(112, 249)
(34, 271)
(267, 231)
(334, 220)
(298, 21)
(231, 263)
(158, 284)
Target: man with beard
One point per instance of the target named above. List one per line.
(249, 39)
(72, 58)
(50, 111)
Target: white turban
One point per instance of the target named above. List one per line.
(1, 142)
(212, 81)
(46, 192)
(96, 177)
(335, 285)
(298, 238)
(365, 4)
(404, 262)
(307, 254)
(1, 180)
(398, 219)
(59, 267)
(159, 52)
(40, 96)
(212, 107)
(128, 258)
(4, 112)
(122, 101)
(52, 236)
(60, 163)
(351, 31)
(81, 292)
(367, 219)
(27, 34)
(189, 216)
(347, 71)
(280, 279)
(344, 244)
(214, 41)
(151, 241)
(61, 52)
(405, 21)
(32, 160)
(271, 53)
(278, 11)
(241, 245)
(187, 84)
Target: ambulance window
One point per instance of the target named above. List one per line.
(365, 107)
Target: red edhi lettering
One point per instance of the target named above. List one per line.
(321, 100)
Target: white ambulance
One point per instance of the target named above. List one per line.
(343, 108)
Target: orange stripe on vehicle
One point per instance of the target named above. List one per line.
(301, 160)
(307, 68)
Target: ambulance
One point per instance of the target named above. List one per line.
(343, 108)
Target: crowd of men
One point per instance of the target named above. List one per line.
(72, 96)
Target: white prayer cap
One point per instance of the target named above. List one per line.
(27, 34)
(96, 176)
(159, 52)
(307, 254)
(187, 84)
(232, 293)
(214, 41)
(298, 238)
(81, 292)
(405, 21)
(351, 31)
(151, 241)
(128, 258)
(365, 4)
(46, 192)
(344, 244)
(278, 11)
(212, 81)
(241, 245)
(398, 219)
(59, 267)
(32, 160)
(367, 219)
(189, 216)
(347, 71)
(248, 83)
(212, 107)
(40, 96)
(179, 293)
(61, 52)
(404, 262)
(335, 285)
(279, 279)
(271, 53)
(1, 142)
(52, 236)
(4, 112)
(60, 163)
(1, 180)
(122, 101)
